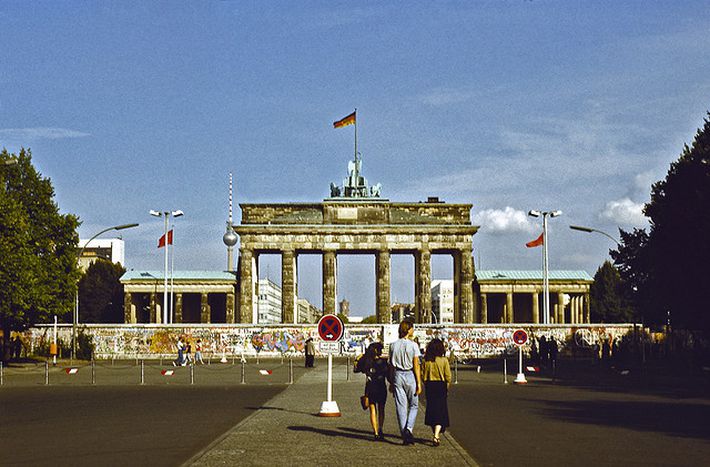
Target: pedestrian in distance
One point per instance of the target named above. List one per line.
(405, 379)
(310, 352)
(436, 375)
(376, 371)
(188, 354)
(198, 352)
(180, 348)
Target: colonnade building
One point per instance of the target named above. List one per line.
(356, 220)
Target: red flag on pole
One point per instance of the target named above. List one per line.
(161, 242)
(537, 242)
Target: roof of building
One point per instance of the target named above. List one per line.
(179, 275)
(502, 275)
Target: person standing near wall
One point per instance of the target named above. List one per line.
(405, 379)
(310, 352)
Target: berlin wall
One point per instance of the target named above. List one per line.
(466, 341)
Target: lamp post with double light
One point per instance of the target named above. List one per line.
(166, 216)
(545, 261)
(75, 321)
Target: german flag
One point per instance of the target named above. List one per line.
(345, 121)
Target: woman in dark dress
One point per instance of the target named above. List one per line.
(437, 379)
(376, 370)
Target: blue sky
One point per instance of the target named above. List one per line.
(507, 105)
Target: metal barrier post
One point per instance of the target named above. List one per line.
(142, 372)
(2, 381)
(347, 370)
(505, 370)
(46, 373)
(192, 373)
(243, 380)
(93, 370)
(290, 370)
(456, 370)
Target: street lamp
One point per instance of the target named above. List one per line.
(545, 271)
(166, 215)
(76, 297)
(590, 230)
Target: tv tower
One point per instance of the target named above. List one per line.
(230, 238)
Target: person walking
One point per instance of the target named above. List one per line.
(180, 348)
(405, 379)
(198, 352)
(310, 352)
(436, 375)
(376, 372)
(188, 354)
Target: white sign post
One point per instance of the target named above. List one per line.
(520, 337)
(330, 330)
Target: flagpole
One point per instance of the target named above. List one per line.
(355, 134)
(172, 276)
(165, 278)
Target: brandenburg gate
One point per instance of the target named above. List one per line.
(356, 220)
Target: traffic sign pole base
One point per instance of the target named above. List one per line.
(520, 379)
(329, 409)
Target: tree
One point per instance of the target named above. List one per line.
(668, 266)
(343, 318)
(372, 319)
(608, 303)
(38, 270)
(101, 293)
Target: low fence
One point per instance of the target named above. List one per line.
(150, 341)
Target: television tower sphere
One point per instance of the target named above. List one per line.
(230, 238)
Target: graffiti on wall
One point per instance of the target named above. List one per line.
(128, 341)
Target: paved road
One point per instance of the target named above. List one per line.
(588, 418)
(566, 423)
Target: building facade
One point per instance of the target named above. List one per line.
(442, 301)
(110, 249)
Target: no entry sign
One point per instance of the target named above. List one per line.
(520, 337)
(330, 328)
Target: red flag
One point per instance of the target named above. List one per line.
(537, 242)
(161, 242)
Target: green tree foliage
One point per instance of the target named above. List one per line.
(669, 266)
(608, 303)
(101, 293)
(343, 318)
(38, 269)
(372, 319)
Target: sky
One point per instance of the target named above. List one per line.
(509, 105)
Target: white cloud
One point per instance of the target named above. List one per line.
(624, 212)
(30, 134)
(504, 221)
(445, 96)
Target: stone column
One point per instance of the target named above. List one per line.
(466, 311)
(510, 315)
(587, 318)
(576, 310)
(289, 308)
(129, 312)
(484, 308)
(247, 286)
(204, 308)
(230, 308)
(535, 307)
(422, 272)
(178, 307)
(330, 265)
(560, 308)
(383, 278)
(154, 314)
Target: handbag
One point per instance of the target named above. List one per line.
(364, 402)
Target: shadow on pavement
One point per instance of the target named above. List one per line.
(677, 419)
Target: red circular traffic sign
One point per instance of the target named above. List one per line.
(520, 337)
(330, 328)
